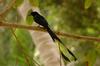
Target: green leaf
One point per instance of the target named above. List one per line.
(98, 2)
(88, 3)
(91, 57)
(90, 30)
(29, 20)
(24, 37)
(34, 2)
(18, 3)
(23, 47)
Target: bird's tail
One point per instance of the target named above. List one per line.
(53, 35)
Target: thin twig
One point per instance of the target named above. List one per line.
(22, 49)
(7, 7)
(7, 25)
(18, 42)
(16, 63)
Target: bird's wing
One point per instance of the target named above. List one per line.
(41, 20)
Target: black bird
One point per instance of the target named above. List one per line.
(43, 22)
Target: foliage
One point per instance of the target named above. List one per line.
(73, 16)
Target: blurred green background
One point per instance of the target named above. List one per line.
(81, 17)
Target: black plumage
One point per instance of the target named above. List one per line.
(64, 57)
(43, 22)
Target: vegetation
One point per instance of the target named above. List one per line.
(76, 20)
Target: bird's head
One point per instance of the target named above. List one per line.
(34, 13)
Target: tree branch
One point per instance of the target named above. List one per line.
(9, 25)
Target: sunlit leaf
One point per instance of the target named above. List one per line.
(90, 30)
(88, 3)
(23, 40)
(24, 37)
(34, 2)
(98, 2)
(91, 57)
(18, 3)
(29, 20)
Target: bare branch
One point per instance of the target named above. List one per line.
(9, 25)
(7, 7)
